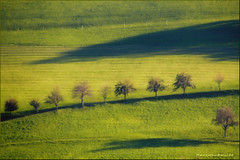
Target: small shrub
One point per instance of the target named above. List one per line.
(35, 104)
(105, 91)
(11, 105)
(219, 79)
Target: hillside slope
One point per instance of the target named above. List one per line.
(45, 44)
(201, 50)
(179, 128)
(21, 15)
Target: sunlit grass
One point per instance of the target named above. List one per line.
(48, 44)
(24, 82)
(78, 133)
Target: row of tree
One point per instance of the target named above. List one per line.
(81, 90)
(224, 116)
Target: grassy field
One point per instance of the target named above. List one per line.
(170, 128)
(202, 50)
(22, 15)
(106, 42)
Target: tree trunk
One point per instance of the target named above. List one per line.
(37, 110)
(125, 97)
(184, 89)
(219, 87)
(82, 102)
(225, 132)
(156, 94)
(57, 107)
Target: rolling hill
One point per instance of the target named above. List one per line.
(60, 43)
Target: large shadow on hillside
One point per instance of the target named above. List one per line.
(153, 143)
(218, 40)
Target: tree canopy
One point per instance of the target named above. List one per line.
(11, 105)
(225, 118)
(219, 79)
(55, 97)
(81, 90)
(183, 81)
(105, 91)
(155, 85)
(35, 103)
(124, 88)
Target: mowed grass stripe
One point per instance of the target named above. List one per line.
(32, 79)
(79, 37)
(50, 44)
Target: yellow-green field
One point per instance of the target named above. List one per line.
(171, 128)
(45, 45)
(25, 81)
(33, 71)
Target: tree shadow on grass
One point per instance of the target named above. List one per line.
(218, 40)
(212, 94)
(8, 116)
(153, 143)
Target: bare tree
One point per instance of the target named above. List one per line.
(105, 91)
(124, 88)
(35, 103)
(54, 98)
(81, 90)
(155, 85)
(219, 79)
(11, 105)
(225, 118)
(183, 81)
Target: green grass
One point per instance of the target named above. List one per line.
(33, 71)
(25, 81)
(78, 37)
(175, 128)
(43, 45)
(57, 14)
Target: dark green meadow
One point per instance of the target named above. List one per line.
(45, 44)
(24, 15)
